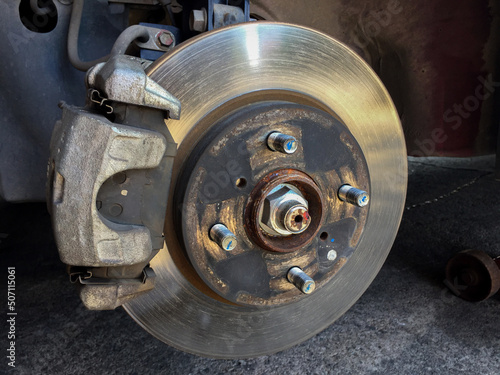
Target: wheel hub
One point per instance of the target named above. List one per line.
(276, 217)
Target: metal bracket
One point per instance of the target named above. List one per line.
(122, 79)
(220, 13)
(108, 294)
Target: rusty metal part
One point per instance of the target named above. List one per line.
(182, 310)
(166, 39)
(473, 275)
(208, 191)
(158, 40)
(256, 203)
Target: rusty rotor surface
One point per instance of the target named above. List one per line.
(210, 191)
(226, 69)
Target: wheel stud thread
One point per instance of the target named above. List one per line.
(354, 196)
(301, 280)
(223, 237)
(283, 143)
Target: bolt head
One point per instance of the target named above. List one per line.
(166, 39)
(198, 20)
(332, 255)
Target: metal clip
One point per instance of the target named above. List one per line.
(96, 97)
(79, 275)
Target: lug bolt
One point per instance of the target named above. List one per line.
(223, 237)
(301, 280)
(354, 196)
(286, 144)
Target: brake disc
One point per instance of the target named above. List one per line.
(236, 86)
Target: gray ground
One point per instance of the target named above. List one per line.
(406, 323)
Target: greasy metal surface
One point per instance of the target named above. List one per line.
(84, 237)
(207, 73)
(473, 275)
(442, 76)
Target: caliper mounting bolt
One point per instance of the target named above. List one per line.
(301, 280)
(165, 38)
(223, 237)
(283, 143)
(354, 196)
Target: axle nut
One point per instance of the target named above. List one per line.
(285, 211)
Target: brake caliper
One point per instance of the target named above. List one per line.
(109, 176)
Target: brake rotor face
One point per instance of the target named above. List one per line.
(222, 72)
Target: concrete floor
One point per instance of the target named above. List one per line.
(406, 323)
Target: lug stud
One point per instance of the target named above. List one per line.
(283, 143)
(354, 196)
(301, 280)
(223, 237)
